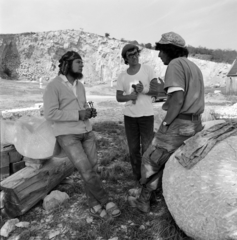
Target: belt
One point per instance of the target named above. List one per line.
(191, 117)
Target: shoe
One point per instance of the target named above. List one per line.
(112, 209)
(134, 192)
(98, 212)
(142, 202)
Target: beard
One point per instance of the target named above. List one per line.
(75, 75)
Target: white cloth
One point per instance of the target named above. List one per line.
(143, 105)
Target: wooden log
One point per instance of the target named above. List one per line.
(28, 186)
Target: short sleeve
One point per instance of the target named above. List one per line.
(119, 86)
(174, 76)
(174, 89)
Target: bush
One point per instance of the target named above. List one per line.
(148, 45)
(215, 55)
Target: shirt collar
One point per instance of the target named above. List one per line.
(64, 78)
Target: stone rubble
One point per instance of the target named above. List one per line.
(8, 227)
(54, 199)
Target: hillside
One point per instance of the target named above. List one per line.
(29, 56)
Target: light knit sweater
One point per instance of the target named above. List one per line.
(61, 107)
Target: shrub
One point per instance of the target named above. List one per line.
(107, 35)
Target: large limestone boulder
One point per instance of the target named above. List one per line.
(203, 199)
(32, 136)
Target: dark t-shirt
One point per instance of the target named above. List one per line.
(183, 73)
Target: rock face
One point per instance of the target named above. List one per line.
(203, 200)
(35, 55)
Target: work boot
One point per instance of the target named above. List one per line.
(142, 202)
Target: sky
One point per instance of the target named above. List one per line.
(207, 23)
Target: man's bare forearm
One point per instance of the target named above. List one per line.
(175, 105)
(172, 113)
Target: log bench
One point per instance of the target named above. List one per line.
(25, 188)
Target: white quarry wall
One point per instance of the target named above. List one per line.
(35, 55)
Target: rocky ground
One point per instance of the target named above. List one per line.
(72, 220)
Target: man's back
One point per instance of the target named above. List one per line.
(182, 72)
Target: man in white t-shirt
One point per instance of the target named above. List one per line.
(135, 86)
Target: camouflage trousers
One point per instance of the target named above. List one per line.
(162, 147)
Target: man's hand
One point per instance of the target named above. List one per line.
(139, 87)
(93, 112)
(84, 114)
(153, 86)
(161, 85)
(133, 96)
(163, 128)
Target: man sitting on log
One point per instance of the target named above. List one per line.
(185, 104)
(65, 106)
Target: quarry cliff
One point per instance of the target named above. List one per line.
(31, 56)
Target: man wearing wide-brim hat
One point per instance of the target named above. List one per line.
(185, 88)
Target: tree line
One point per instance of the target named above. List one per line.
(215, 55)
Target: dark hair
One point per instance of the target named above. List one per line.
(172, 51)
(64, 67)
(66, 61)
(130, 50)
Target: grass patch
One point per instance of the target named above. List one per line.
(116, 171)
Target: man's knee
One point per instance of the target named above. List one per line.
(88, 175)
